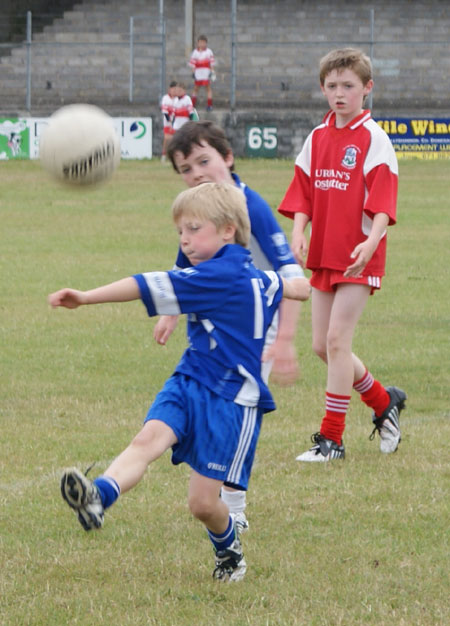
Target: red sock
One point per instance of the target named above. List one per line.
(372, 393)
(194, 100)
(333, 423)
(209, 102)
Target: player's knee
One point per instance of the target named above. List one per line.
(151, 440)
(335, 343)
(320, 349)
(200, 506)
(141, 440)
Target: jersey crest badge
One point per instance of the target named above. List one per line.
(349, 160)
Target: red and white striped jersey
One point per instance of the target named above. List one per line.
(342, 178)
(183, 108)
(202, 62)
(167, 108)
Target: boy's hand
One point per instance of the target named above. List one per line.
(68, 298)
(285, 369)
(296, 288)
(362, 254)
(299, 247)
(164, 328)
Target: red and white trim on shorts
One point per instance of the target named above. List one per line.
(201, 83)
(325, 279)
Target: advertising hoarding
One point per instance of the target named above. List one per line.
(19, 137)
(420, 137)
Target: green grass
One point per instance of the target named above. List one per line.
(364, 541)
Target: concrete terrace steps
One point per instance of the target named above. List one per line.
(85, 56)
(277, 50)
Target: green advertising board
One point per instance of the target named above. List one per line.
(261, 141)
(14, 139)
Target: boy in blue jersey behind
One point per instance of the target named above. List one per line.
(210, 410)
(200, 152)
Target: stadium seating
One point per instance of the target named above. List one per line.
(85, 54)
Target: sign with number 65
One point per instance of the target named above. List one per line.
(261, 141)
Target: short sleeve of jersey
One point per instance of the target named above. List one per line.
(193, 289)
(297, 198)
(381, 174)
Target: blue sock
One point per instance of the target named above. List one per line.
(223, 541)
(108, 489)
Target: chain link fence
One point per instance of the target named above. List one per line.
(268, 57)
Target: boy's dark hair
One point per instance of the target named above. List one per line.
(202, 38)
(173, 83)
(194, 134)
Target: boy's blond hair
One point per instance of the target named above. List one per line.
(220, 203)
(346, 58)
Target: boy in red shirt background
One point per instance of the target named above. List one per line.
(345, 184)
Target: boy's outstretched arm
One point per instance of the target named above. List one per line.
(123, 290)
(296, 288)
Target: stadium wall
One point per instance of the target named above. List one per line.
(84, 56)
(281, 134)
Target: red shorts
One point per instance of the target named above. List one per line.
(201, 83)
(328, 280)
(168, 130)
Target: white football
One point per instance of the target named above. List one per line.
(80, 145)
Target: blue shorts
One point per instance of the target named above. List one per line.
(216, 437)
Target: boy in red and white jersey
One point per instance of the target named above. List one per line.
(183, 107)
(202, 63)
(168, 111)
(345, 184)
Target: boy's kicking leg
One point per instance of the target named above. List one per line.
(90, 498)
(206, 505)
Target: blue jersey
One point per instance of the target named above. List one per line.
(268, 244)
(230, 306)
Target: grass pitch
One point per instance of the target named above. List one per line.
(364, 541)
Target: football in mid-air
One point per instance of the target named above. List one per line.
(80, 145)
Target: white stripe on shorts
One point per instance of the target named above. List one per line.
(245, 439)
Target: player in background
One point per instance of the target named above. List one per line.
(210, 410)
(345, 184)
(183, 107)
(200, 152)
(202, 64)
(168, 111)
